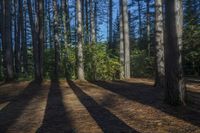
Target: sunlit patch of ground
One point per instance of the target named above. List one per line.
(102, 106)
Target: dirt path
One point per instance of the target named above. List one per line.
(84, 107)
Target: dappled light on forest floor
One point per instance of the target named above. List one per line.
(101, 106)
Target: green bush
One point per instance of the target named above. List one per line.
(141, 64)
(99, 65)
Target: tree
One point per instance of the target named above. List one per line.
(110, 23)
(148, 27)
(64, 18)
(159, 44)
(24, 44)
(140, 18)
(92, 23)
(80, 42)
(6, 41)
(41, 37)
(56, 42)
(126, 39)
(174, 82)
(36, 36)
(18, 21)
(121, 41)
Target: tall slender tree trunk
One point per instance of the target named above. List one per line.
(126, 39)
(92, 22)
(18, 6)
(1, 28)
(121, 41)
(22, 32)
(87, 21)
(64, 18)
(50, 27)
(68, 23)
(24, 46)
(35, 39)
(80, 42)
(56, 42)
(110, 23)
(95, 19)
(159, 44)
(140, 19)
(83, 16)
(174, 86)
(6, 39)
(148, 28)
(41, 37)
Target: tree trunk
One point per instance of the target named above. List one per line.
(126, 39)
(121, 41)
(1, 28)
(110, 23)
(174, 86)
(140, 19)
(56, 42)
(80, 42)
(35, 39)
(64, 17)
(148, 29)
(18, 9)
(68, 23)
(50, 27)
(41, 37)
(6, 39)
(92, 22)
(87, 21)
(24, 46)
(159, 44)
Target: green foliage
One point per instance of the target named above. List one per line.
(48, 62)
(141, 64)
(99, 65)
(68, 62)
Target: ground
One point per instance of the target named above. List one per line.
(102, 106)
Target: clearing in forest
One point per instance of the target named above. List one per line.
(101, 106)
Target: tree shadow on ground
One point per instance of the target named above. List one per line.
(104, 118)
(15, 108)
(149, 95)
(55, 118)
(193, 98)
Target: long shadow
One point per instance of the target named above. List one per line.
(55, 118)
(104, 118)
(193, 99)
(148, 95)
(14, 109)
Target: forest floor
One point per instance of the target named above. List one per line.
(102, 106)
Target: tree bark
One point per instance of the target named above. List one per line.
(87, 21)
(18, 9)
(148, 29)
(159, 44)
(140, 19)
(6, 41)
(64, 17)
(174, 86)
(35, 38)
(126, 39)
(92, 23)
(24, 45)
(121, 41)
(80, 42)
(110, 23)
(56, 42)
(41, 37)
